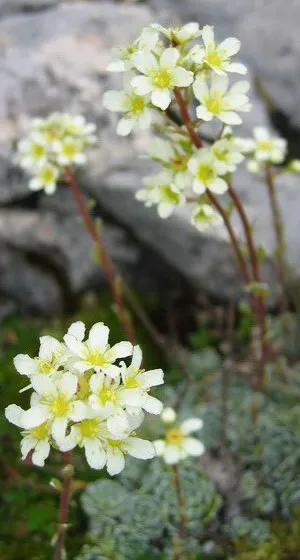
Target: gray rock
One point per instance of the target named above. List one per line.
(28, 285)
(13, 6)
(41, 72)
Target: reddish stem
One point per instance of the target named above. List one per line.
(261, 308)
(65, 497)
(108, 267)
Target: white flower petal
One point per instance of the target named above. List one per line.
(198, 186)
(191, 425)
(169, 58)
(75, 346)
(27, 444)
(237, 67)
(137, 357)
(34, 416)
(140, 448)
(145, 62)
(219, 85)
(203, 113)
(95, 455)
(125, 126)
(231, 46)
(161, 98)
(159, 445)
(115, 461)
(78, 411)
(229, 117)
(171, 454)
(122, 350)
(182, 77)
(41, 452)
(25, 365)
(152, 405)
(77, 330)
(114, 100)
(200, 88)
(151, 378)
(98, 337)
(219, 186)
(193, 447)
(118, 424)
(43, 384)
(59, 428)
(208, 36)
(13, 414)
(142, 85)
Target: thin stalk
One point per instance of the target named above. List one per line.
(181, 507)
(185, 116)
(260, 303)
(112, 277)
(65, 497)
(259, 307)
(279, 235)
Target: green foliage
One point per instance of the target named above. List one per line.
(139, 515)
(283, 544)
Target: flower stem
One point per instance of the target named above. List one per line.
(260, 303)
(180, 501)
(112, 278)
(186, 119)
(279, 234)
(65, 497)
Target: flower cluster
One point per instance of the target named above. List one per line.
(84, 396)
(263, 149)
(53, 144)
(160, 67)
(177, 443)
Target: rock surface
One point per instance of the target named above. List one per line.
(55, 59)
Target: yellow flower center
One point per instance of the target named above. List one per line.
(163, 78)
(38, 151)
(48, 175)
(59, 406)
(131, 383)
(41, 432)
(136, 104)
(206, 173)
(107, 395)
(214, 104)
(174, 436)
(89, 428)
(265, 145)
(168, 195)
(70, 150)
(214, 59)
(45, 366)
(96, 358)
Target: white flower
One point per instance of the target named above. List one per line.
(69, 150)
(161, 76)
(133, 377)
(226, 151)
(217, 57)
(36, 439)
(173, 156)
(116, 450)
(52, 355)
(268, 148)
(46, 178)
(206, 170)
(203, 216)
(95, 353)
(168, 415)
(54, 402)
(220, 102)
(32, 151)
(135, 108)
(162, 191)
(148, 41)
(178, 444)
(179, 35)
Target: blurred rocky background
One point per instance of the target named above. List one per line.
(54, 55)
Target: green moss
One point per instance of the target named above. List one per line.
(284, 544)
